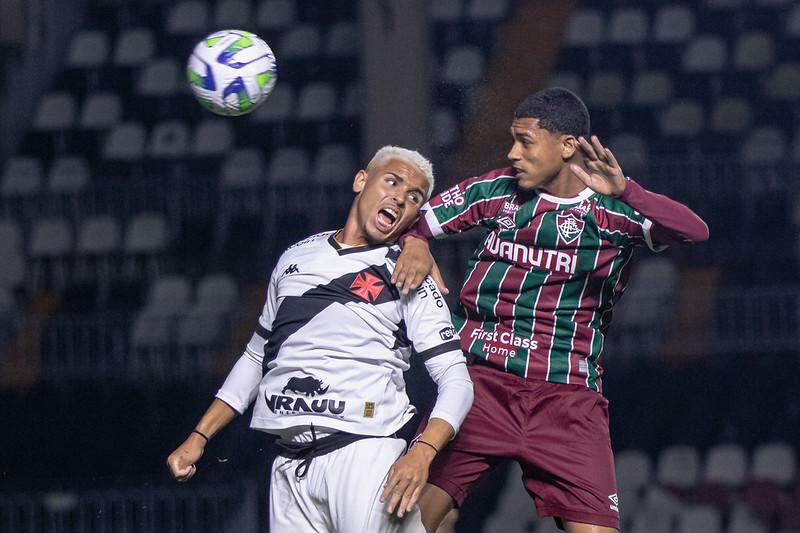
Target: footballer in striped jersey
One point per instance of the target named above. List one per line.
(563, 222)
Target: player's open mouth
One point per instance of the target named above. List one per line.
(386, 219)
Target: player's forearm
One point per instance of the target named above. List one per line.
(673, 222)
(437, 434)
(454, 395)
(217, 416)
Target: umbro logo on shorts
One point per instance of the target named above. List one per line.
(615, 502)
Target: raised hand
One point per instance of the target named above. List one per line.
(406, 479)
(604, 173)
(182, 461)
(416, 262)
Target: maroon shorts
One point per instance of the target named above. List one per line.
(558, 433)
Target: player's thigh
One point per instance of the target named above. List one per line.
(292, 506)
(355, 480)
(434, 504)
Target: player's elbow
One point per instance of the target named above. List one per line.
(700, 233)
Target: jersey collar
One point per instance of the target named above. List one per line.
(342, 250)
(583, 195)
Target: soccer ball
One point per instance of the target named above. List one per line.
(231, 72)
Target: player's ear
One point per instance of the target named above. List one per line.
(569, 145)
(359, 181)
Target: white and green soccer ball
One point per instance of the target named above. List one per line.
(232, 72)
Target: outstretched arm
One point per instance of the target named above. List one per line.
(673, 222)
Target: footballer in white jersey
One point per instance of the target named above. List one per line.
(325, 368)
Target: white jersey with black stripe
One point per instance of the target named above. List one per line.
(335, 337)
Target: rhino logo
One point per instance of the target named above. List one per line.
(309, 386)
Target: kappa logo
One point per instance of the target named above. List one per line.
(291, 269)
(614, 502)
(367, 286)
(569, 227)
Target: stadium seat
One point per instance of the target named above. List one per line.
(586, 28)
(630, 150)
(445, 10)
(682, 118)
(50, 237)
(217, 293)
(98, 236)
(279, 106)
(159, 78)
(731, 116)
(10, 234)
(793, 22)
(199, 329)
(651, 87)
(783, 82)
(232, 14)
(628, 26)
(606, 90)
(88, 49)
(150, 332)
(678, 467)
(634, 469)
(463, 65)
(754, 51)
(101, 110)
(188, 18)
(726, 4)
(444, 128)
(487, 10)
(213, 137)
(301, 41)
(288, 165)
(513, 511)
(700, 519)
(22, 177)
(317, 102)
(68, 174)
(567, 80)
(243, 168)
(146, 234)
(705, 53)
(12, 267)
(673, 24)
(125, 142)
(56, 112)
(169, 140)
(774, 462)
(275, 14)
(764, 145)
(741, 520)
(334, 164)
(134, 47)
(342, 40)
(168, 296)
(726, 465)
(353, 100)
(658, 511)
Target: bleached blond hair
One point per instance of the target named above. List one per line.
(412, 156)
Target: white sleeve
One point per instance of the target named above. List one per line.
(433, 337)
(241, 385)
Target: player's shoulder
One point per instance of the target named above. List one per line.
(428, 294)
(312, 241)
(617, 207)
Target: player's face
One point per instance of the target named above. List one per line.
(536, 154)
(390, 196)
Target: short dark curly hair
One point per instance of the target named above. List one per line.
(558, 110)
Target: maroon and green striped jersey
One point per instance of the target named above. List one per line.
(539, 290)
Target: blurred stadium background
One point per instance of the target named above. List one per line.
(137, 231)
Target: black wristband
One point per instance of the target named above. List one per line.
(418, 439)
(201, 434)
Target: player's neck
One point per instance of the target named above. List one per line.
(564, 185)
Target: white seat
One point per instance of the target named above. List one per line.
(567, 80)
(754, 51)
(317, 101)
(742, 521)
(700, 519)
(783, 83)
(99, 235)
(682, 118)
(706, 53)
(634, 469)
(168, 296)
(188, 18)
(444, 128)
(726, 464)
(651, 87)
(50, 238)
(353, 101)
(463, 65)
(159, 78)
(334, 163)
(289, 165)
(232, 14)
(586, 28)
(606, 89)
(125, 142)
(673, 24)
(793, 22)
(275, 14)
(101, 110)
(134, 47)
(445, 10)
(213, 137)
(243, 168)
(88, 49)
(764, 145)
(217, 293)
(731, 115)
(343, 40)
(278, 107)
(629, 149)
(170, 139)
(301, 41)
(68, 174)
(146, 234)
(22, 177)
(678, 467)
(628, 26)
(487, 10)
(775, 462)
(56, 112)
